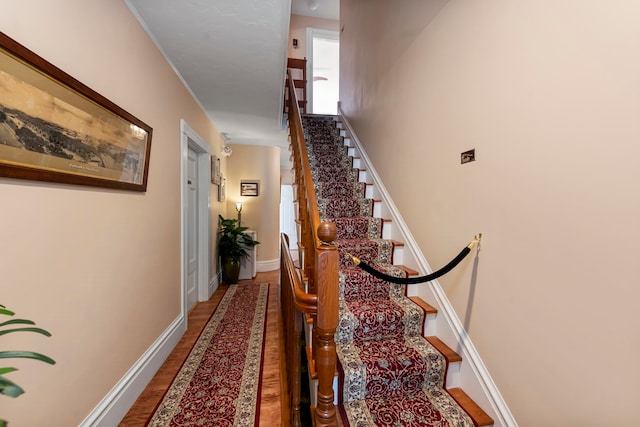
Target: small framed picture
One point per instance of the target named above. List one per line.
(249, 188)
(222, 189)
(215, 169)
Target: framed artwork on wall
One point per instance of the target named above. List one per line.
(215, 169)
(54, 128)
(249, 188)
(222, 190)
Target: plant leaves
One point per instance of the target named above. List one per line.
(9, 388)
(16, 321)
(38, 330)
(26, 355)
(5, 311)
(7, 370)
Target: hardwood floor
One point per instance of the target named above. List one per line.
(273, 401)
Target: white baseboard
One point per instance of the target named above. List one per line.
(115, 405)
(213, 284)
(271, 265)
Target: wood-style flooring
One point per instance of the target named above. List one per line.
(273, 401)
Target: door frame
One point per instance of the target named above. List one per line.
(311, 33)
(189, 139)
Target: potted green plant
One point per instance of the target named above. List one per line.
(233, 243)
(8, 387)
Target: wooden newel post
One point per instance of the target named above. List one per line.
(327, 322)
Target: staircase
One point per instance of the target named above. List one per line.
(389, 374)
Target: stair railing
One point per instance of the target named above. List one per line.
(295, 302)
(319, 269)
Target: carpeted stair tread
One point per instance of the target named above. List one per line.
(371, 251)
(354, 283)
(390, 367)
(426, 408)
(327, 190)
(327, 138)
(321, 149)
(334, 174)
(345, 207)
(378, 319)
(331, 160)
(318, 150)
(359, 227)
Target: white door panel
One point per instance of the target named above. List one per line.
(192, 227)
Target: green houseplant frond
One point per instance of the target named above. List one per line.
(8, 387)
(21, 322)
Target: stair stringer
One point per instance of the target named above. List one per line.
(471, 374)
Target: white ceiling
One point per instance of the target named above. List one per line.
(231, 54)
(327, 9)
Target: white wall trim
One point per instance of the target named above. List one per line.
(471, 358)
(115, 405)
(269, 265)
(214, 282)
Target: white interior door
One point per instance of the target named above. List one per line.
(192, 228)
(195, 175)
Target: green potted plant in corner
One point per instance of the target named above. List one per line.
(233, 243)
(8, 387)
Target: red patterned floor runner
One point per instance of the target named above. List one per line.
(219, 382)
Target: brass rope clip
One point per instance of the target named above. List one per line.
(475, 241)
(355, 260)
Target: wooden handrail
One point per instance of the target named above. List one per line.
(304, 302)
(319, 265)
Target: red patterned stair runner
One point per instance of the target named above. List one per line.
(390, 374)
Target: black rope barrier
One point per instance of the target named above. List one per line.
(413, 280)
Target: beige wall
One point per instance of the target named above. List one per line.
(298, 30)
(547, 93)
(98, 268)
(286, 177)
(262, 213)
